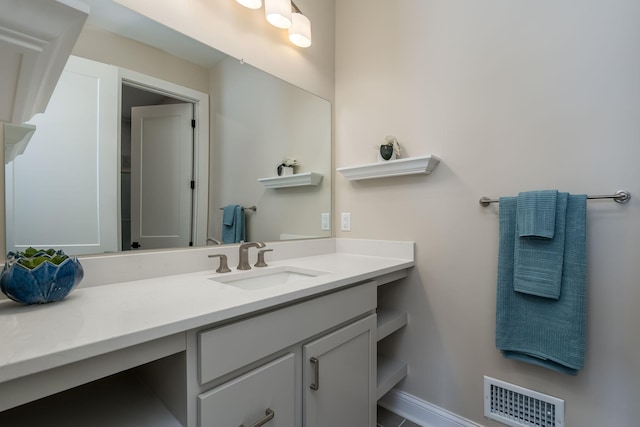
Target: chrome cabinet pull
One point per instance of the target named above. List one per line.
(269, 414)
(316, 373)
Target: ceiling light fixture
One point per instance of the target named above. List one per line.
(278, 13)
(286, 15)
(300, 31)
(251, 4)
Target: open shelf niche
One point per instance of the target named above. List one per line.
(147, 395)
(390, 371)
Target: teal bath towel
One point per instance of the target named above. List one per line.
(544, 331)
(233, 224)
(538, 258)
(537, 213)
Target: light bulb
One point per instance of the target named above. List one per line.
(278, 13)
(300, 31)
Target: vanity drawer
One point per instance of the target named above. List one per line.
(267, 392)
(227, 348)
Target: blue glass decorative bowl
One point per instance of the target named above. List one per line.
(39, 277)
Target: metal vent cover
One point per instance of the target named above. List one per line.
(519, 407)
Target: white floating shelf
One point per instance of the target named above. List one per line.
(295, 180)
(16, 138)
(390, 373)
(409, 166)
(36, 40)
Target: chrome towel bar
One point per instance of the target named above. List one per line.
(619, 196)
(250, 208)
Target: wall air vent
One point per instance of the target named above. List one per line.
(518, 407)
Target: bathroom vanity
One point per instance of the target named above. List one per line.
(291, 344)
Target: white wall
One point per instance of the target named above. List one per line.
(513, 96)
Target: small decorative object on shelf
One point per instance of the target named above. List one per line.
(39, 276)
(390, 150)
(287, 166)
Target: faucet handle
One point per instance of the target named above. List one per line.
(261, 262)
(224, 267)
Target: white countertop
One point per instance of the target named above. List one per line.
(96, 320)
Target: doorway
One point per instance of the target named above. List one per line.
(139, 90)
(157, 186)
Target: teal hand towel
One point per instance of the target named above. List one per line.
(537, 213)
(543, 331)
(539, 262)
(233, 224)
(229, 214)
(240, 225)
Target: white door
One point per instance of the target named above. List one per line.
(62, 192)
(161, 176)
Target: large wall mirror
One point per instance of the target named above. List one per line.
(252, 122)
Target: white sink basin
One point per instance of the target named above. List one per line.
(266, 277)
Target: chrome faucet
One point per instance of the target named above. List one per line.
(244, 254)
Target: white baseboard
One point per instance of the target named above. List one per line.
(421, 412)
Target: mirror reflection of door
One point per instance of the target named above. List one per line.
(61, 191)
(161, 179)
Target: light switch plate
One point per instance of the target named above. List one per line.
(326, 221)
(346, 221)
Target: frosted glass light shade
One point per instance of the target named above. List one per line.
(278, 13)
(251, 4)
(300, 31)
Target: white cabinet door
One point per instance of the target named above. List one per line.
(264, 396)
(339, 377)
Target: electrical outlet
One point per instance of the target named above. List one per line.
(326, 222)
(346, 221)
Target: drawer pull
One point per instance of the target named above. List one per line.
(316, 373)
(269, 414)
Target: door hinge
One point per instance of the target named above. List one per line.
(193, 123)
(190, 243)
(135, 245)
(193, 185)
